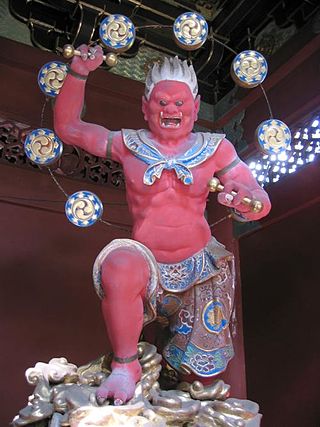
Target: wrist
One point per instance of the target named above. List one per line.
(240, 216)
(78, 75)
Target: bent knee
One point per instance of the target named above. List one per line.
(124, 270)
(124, 261)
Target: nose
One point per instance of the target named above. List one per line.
(171, 108)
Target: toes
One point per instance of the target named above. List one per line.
(102, 396)
(120, 397)
(100, 400)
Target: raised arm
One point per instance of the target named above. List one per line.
(69, 103)
(236, 176)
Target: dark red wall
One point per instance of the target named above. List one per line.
(47, 302)
(280, 285)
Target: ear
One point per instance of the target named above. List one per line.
(144, 107)
(196, 107)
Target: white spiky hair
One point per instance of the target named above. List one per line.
(171, 69)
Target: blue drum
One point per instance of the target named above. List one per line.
(43, 147)
(190, 30)
(117, 33)
(83, 208)
(51, 77)
(273, 136)
(249, 69)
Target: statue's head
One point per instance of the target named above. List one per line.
(171, 104)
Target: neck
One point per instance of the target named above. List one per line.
(171, 144)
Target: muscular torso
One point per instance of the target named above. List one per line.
(168, 216)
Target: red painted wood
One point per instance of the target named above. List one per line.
(293, 193)
(47, 302)
(48, 307)
(280, 283)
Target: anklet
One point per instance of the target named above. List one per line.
(125, 359)
(77, 75)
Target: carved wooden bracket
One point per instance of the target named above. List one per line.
(74, 163)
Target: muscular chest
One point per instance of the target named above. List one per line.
(135, 168)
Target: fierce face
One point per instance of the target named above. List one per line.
(171, 110)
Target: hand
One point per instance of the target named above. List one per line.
(85, 63)
(235, 201)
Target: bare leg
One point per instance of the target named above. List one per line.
(125, 275)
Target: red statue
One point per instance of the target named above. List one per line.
(173, 267)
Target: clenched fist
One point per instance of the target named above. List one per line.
(235, 201)
(91, 58)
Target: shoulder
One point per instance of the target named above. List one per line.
(129, 132)
(136, 141)
(115, 146)
(207, 144)
(216, 138)
(225, 154)
(209, 141)
(123, 142)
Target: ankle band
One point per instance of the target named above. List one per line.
(125, 359)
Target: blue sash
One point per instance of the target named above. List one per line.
(142, 147)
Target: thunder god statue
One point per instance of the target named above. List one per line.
(172, 267)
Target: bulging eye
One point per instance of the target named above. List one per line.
(163, 102)
(179, 103)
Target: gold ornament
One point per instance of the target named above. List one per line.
(214, 185)
(83, 209)
(255, 205)
(111, 59)
(72, 400)
(68, 51)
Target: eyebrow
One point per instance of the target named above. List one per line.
(175, 97)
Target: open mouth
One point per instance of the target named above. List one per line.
(167, 121)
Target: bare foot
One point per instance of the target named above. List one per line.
(121, 383)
